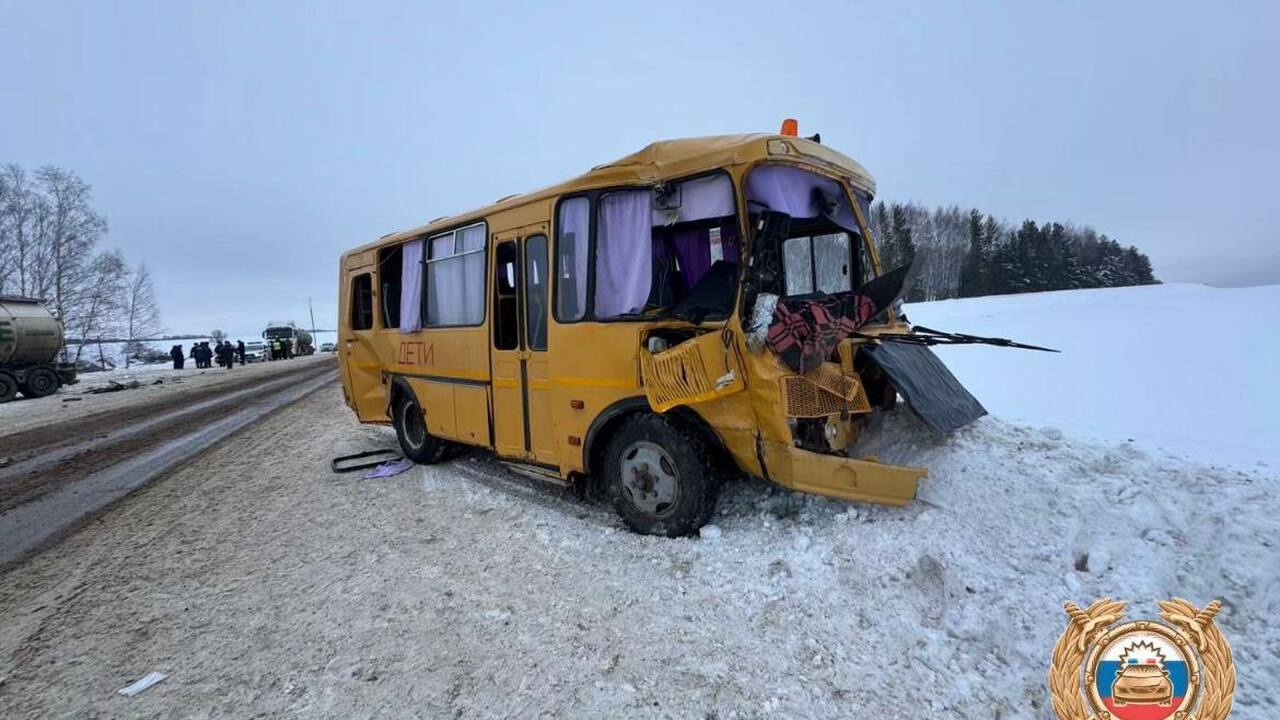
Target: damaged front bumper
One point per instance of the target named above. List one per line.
(916, 374)
(839, 477)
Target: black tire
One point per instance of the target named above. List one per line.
(661, 477)
(40, 382)
(411, 430)
(8, 387)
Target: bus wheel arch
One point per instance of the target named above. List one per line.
(408, 418)
(659, 474)
(612, 418)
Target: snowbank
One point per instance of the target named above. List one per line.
(1189, 369)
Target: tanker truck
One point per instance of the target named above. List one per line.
(298, 340)
(30, 338)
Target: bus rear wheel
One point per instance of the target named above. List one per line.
(660, 477)
(411, 430)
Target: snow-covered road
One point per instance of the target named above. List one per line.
(262, 583)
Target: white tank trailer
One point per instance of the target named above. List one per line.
(299, 339)
(30, 339)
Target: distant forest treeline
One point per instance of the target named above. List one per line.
(966, 254)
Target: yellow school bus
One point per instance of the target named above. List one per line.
(610, 332)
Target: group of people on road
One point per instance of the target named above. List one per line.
(226, 353)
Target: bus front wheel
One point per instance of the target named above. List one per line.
(411, 430)
(660, 477)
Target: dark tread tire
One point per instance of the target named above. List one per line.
(415, 442)
(40, 382)
(8, 387)
(698, 479)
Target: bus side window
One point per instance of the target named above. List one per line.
(455, 277)
(506, 291)
(362, 302)
(572, 232)
(535, 266)
(389, 272)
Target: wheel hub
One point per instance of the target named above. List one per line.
(650, 477)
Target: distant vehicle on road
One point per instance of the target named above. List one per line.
(30, 338)
(328, 347)
(255, 351)
(298, 340)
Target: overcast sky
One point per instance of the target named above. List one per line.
(239, 148)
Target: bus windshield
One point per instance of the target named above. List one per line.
(821, 247)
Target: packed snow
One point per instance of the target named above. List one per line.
(260, 582)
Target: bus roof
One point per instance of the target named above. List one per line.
(660, 160)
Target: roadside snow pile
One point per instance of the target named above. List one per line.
(1190, 369)
(796, 606)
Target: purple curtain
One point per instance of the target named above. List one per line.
(411, 287)
(791, 190)
(624, 255)
(694, 251)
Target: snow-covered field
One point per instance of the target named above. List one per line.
(1187, 369)
(264, 584)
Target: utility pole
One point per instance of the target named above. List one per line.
(315, 341)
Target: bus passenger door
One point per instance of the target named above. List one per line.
(537, 375)
(510, 430)
(360, 358)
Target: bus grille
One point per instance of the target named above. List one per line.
(825, 391)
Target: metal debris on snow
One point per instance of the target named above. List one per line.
(143, 684)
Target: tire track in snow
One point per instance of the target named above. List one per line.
(27, 527)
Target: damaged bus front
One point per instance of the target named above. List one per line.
(815, 352)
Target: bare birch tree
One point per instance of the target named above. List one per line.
(98, 308)
(19, 206)
(141, 313)
(71, 230)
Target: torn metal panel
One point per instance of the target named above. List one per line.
(929, 388)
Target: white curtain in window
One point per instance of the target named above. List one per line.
(472, 297)
(411, 287)
(455, 278)
(624, 253)
(444, 282)
(700, 199)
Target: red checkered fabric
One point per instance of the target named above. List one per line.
(804, 333)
